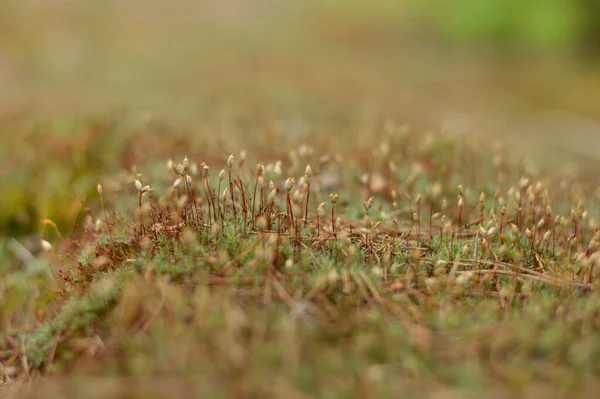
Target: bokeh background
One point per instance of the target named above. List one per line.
(182, 57)
(87, 88)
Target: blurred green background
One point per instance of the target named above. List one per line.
(216, 73)
(181, 57)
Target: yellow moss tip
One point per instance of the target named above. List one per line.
(48, 222)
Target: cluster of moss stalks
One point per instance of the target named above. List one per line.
(321, 274)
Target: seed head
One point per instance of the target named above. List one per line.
(186, 164)
(419, 199)
(99, 188)
(230, 161)
(484, 244)
(222, 175)
(307, 172)
(333, 198)
(321, 206)
(460, 189)
(46, 246)
(260, 169)
(482, 231)
(546, 236)
(540, 224)
(539, 187)
(368, 203)
(138, 185)
(205, 172)
(514, 229)
(557, 220)
(289, 183)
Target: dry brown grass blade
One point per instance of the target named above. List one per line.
(546, 280)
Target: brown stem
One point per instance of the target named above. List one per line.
(418, 225)
(191, 199)
(307, 199)
(254, 202)
(212, 200)
(430, 216)
(268, 213)
(244, 201)
(219, 201)
(290, 210)
(318, 224)
(208, 202)
(110, 235)
(232, 199)
(140, 212)
(333, 219)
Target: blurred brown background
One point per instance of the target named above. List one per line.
(523, 70)
(459, 60)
